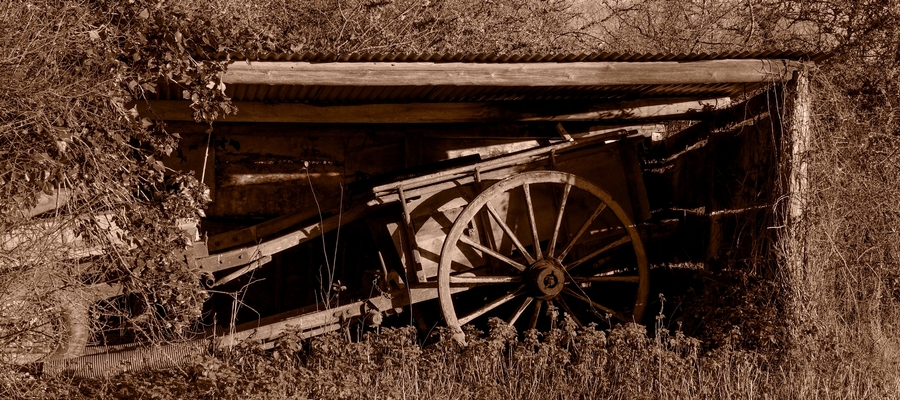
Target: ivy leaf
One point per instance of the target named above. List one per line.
(158, 166)
(150, 87)
(144, 14)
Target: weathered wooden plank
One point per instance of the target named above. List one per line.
(384, 132)
(527, 111)
(245, 255)
(317, 322)
(509, 74)
(441, 180)
(649, 130)
(437, 182)
(257, 232)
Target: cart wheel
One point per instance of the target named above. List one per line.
(37, 325)
(538, 246)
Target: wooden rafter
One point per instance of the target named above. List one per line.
(509, 74)
(523, 111)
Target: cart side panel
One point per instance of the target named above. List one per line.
(607, 166)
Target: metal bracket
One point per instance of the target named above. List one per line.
(224, 261)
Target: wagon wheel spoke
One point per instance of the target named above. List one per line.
(486, 250)
(581, 231)
(532, 222)
(492, 305)
(532, 323)
(598, 252)
(571, 313)
(483, 280)
(615, 314)
(559, 218)
(607, 278)
(519, 311)
(506, 229)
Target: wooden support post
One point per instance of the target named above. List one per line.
(804, 281)
(800, 144)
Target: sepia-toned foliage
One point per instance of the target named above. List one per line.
(404, 26)
(70, 74)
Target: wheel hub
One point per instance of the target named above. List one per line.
(546, 279)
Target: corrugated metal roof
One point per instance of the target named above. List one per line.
(522, 58)
(363, 94)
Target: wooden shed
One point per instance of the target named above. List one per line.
(701, 154)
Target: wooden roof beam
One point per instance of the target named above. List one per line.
(510, 74)
(499, 111)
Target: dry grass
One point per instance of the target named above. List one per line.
(624, 363)
(571, 363)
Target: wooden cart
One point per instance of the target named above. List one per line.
(528, 237)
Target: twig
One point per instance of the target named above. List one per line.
(206, 154)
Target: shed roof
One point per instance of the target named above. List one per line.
(319, 79)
